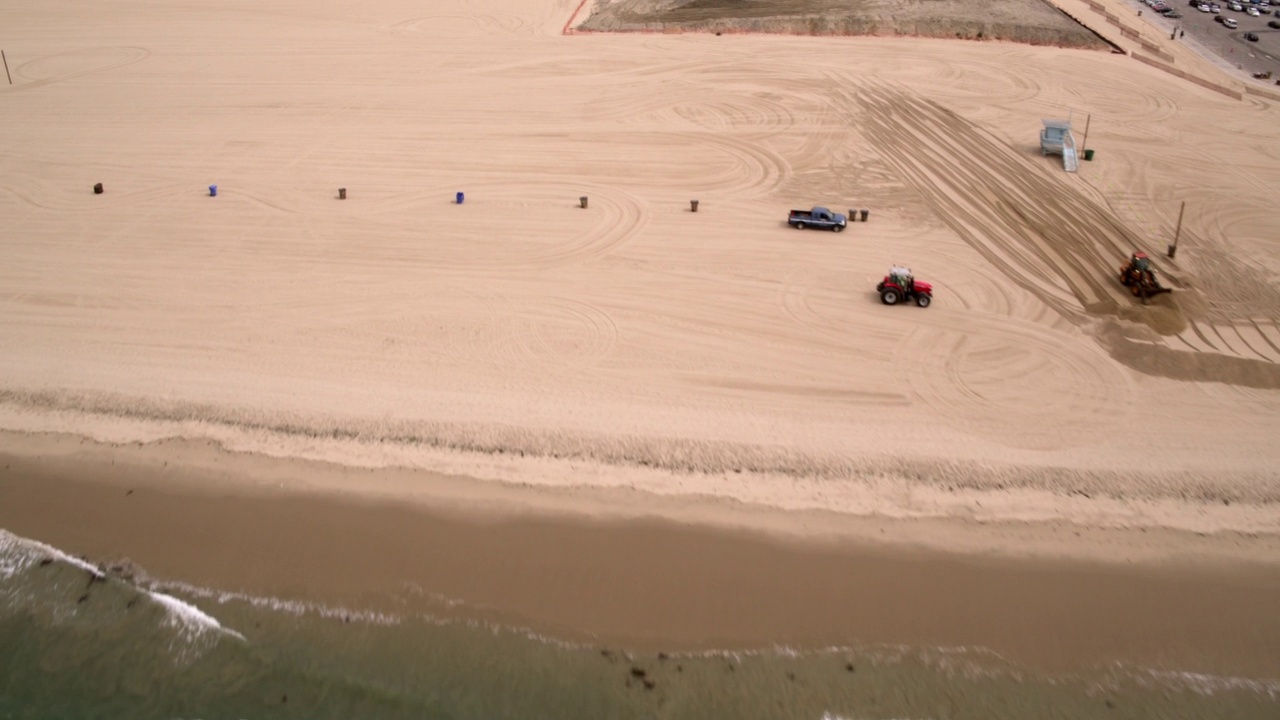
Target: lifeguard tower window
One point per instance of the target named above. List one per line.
(1056, 139)
(1054, 135)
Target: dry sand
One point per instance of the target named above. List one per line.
(634, 345)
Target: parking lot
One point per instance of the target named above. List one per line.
(1229, 44)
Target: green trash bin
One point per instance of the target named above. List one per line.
(1088, 154)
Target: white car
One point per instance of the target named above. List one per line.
(1231, 24)
(1236, 7)
(1254, 12)
(1203, 8)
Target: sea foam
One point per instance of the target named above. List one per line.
(19, 553)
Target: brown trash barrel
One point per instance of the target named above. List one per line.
(97, 189)
(342, 193)
(583, 201)
(693, 206)
(865, 213)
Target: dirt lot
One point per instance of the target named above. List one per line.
(1029, 21)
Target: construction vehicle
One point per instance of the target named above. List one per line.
(899, 286)
(1138, 276)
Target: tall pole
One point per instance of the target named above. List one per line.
(1173, 249)
(1084, 145)
(6, 67)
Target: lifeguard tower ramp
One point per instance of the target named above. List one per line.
(1056, 139)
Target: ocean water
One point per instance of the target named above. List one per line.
(77, 643)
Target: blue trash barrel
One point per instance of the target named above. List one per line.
(213, 191)
(460, 198)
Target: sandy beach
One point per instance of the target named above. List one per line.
(632, 374)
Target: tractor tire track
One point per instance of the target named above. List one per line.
(1045, 236)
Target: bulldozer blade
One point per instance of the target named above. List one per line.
(1149, 293)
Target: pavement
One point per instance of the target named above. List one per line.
(1228, 46)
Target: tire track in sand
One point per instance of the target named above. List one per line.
(553, 332)
(1041, 233)
(511, 227)
(983, 369)
(38, 72)
(1047, 237)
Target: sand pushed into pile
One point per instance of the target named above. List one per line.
(1026, 21)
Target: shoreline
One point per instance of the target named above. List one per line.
(770, 486)
(579, 567)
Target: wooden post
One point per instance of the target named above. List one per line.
(6, 67)
(1084, 144)
(1173, 249)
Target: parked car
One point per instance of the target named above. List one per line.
(1254, 12)
(1172, 14)
(1251, 37)
(1202, 8)
(1215, 8)
(1274, 24)
(1236, 7)
(818, 217)
(1229, 22)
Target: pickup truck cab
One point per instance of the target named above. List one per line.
(818, 217)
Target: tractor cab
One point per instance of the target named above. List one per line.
(901, 277)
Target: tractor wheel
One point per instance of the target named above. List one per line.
(801, 226)
(890, 297)
(837, 228)
(923, 300)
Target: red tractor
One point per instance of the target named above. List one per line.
(899, 286)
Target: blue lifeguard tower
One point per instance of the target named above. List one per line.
(1056, 139)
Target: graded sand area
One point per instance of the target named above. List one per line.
(633, 343)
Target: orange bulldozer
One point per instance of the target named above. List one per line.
(1138, 276)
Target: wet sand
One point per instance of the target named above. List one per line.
(526, 558)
